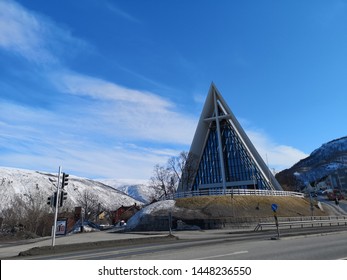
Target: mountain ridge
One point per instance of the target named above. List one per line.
(324, 161)
(26, 184)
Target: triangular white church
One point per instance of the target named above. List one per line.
(237, 164)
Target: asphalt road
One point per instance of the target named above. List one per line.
(303, 244)
(342, 207)
(326, 247)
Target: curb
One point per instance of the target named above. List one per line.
(48, 250)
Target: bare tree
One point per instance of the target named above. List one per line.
(178, 174)
(11, 217)
(35, 208)
(184, 167)
(90, 205)
(28, 212)
(163, 180)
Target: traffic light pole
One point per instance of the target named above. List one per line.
(56, 209)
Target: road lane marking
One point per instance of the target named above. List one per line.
(218, 256)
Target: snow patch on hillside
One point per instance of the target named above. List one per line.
(140, 191)
(330, 158)
(28, 184)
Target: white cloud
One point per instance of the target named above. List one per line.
(34, 141)
(94, 139)
(91, 162)
(100, 89)
(276, 155)
(132, 113)
(20, 32)
(88, 146)
(86, 137)
(32, 36)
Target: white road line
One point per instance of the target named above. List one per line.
(82, 255)
(217, 256)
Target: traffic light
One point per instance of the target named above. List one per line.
(63, 196)
(65, 180)
(49, 200)
(52, 200)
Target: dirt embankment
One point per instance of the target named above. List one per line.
(216, 212)
(250, 206)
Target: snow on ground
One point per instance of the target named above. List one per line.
(167, 205)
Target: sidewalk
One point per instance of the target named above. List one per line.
(13, 249)
(8, 250)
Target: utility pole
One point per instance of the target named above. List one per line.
(170, 223)
(56, 209)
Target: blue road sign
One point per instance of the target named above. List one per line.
(274, 207)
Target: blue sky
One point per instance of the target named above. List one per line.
(108, 89)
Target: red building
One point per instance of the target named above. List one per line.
(124, 213)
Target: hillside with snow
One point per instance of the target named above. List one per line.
(330, 158)
(140, 190)
(27, 184)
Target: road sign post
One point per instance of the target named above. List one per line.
(274, 208)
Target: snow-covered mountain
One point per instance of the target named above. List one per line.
(330, 158)
(28, 184)
(140, 190)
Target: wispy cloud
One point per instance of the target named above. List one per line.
(146, 79)
(21, 32)
(32, 36)
(42, 140)
(103, 90)
(86, 135)
(134, 113)
(120, 12)
(94, 147)
(99, 128)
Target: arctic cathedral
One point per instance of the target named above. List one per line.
(225, 158)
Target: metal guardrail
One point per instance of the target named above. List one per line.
(314, 221)
(209, 192)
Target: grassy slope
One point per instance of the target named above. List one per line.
(248, 206)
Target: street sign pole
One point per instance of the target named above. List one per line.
(276, 221)
(56, 209)
(274, 208)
